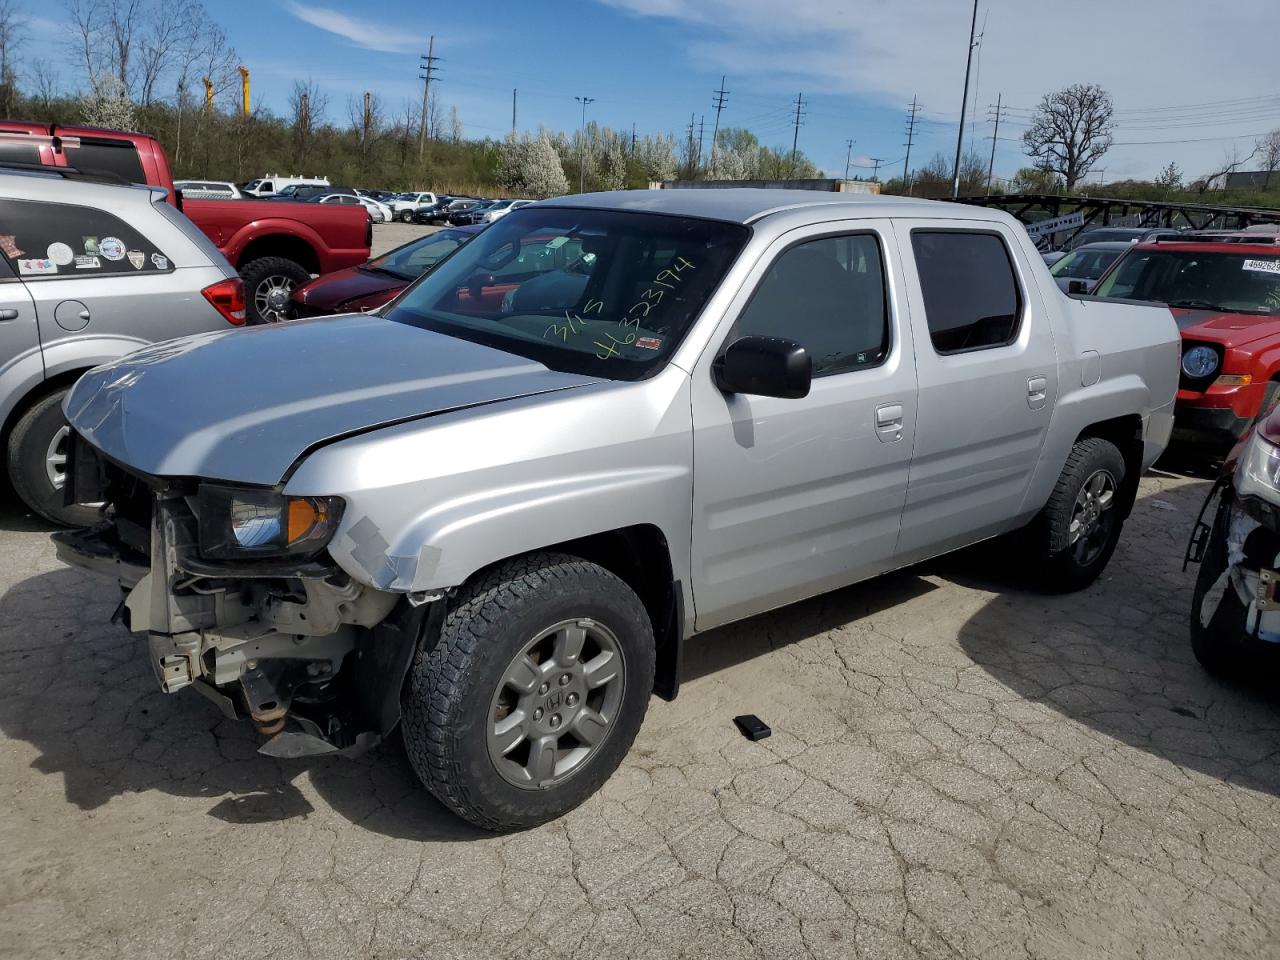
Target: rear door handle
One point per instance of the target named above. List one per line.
(1037, 392)
(889, 422)
(8, 314)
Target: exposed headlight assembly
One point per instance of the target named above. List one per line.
(1199, 362)
(240, 522)
(1258, 473)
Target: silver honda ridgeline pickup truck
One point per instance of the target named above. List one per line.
(495, 508)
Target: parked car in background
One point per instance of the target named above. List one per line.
(1235, 606)
(500, 208)
(435, 213)
(88, 273)
(308, 191)
(404, 206)
(274, 245)
(506, 523)
(273, 183)
(1226, 299)
(458, 213)
(207, 189)
(1085, 264)
(1120, 234)
(378, 212)
(372, 284)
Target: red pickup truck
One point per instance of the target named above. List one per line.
(276, 246)
(1224, 291)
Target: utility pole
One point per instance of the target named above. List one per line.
(722, 96)
(875, 173)
(911, 135)
(582, 142)
(848, 157)
(702, 122)
(689, 149)
(427, 72)
(795, 137)
(513, 111)
(633, 139)
(964, 102)
(995, 138)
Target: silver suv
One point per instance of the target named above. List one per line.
(609, 421)
(88, 273)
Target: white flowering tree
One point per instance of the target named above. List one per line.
(107, 104)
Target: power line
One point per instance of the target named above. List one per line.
(911, 134)
(721, 97)
(427, 73)
(795, 137)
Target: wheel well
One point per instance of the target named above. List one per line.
(36, 393)
(1126, 433)
(641, 558)
(280, 245)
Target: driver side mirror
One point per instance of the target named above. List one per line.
(764, 367)
(1077, 286)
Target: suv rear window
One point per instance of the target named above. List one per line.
(63, 240)
(971, 297)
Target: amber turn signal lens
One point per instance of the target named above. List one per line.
(304, 516)
(1234, 380)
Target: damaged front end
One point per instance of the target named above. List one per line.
(272, 634)
(1236, 607)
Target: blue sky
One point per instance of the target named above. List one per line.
(654, 62)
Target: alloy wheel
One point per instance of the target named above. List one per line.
(55, 458)
(556, 703)
(271, 297)
(1093, 516)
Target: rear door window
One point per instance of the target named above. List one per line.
(971, 297)
(42, 240)
(113, 158)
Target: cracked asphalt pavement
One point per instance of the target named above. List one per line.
(958, 768)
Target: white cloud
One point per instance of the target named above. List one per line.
(1146, 53)
(387, 38)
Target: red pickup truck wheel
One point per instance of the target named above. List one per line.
(269, 282)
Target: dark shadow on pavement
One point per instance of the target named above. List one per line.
(1117, 657)
(80, 690)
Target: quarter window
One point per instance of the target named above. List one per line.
(828, 295)
(971, 298)
(62, 240)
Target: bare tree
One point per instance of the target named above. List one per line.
(365, 115)
(1230, 164)
(166, 31)
(306, 105)
(84, 43)
(1071, 131)
(46, 82)
(12, 28)
(455, 125)
(124, 22)
(1268, 149)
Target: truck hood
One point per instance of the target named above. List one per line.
(243, 406)
(1228, 329)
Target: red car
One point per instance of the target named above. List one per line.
(377, 281)
(1224, 292)
(274, 246)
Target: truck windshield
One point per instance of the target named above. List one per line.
(1198, 279)
(596, 292)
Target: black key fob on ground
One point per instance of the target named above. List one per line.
(752, 727)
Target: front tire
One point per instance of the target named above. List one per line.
(1073, 537)
(532, 694)
(406, 216)
(37, 458)
(1218, 640)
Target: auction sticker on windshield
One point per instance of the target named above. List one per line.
(1266, 266)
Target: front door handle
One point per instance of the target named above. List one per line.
(889, 422)
(1037, 392)
(8, 314)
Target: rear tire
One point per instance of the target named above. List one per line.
(37, 462)
(1073, 537)
(505, 724)
(268, 284)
